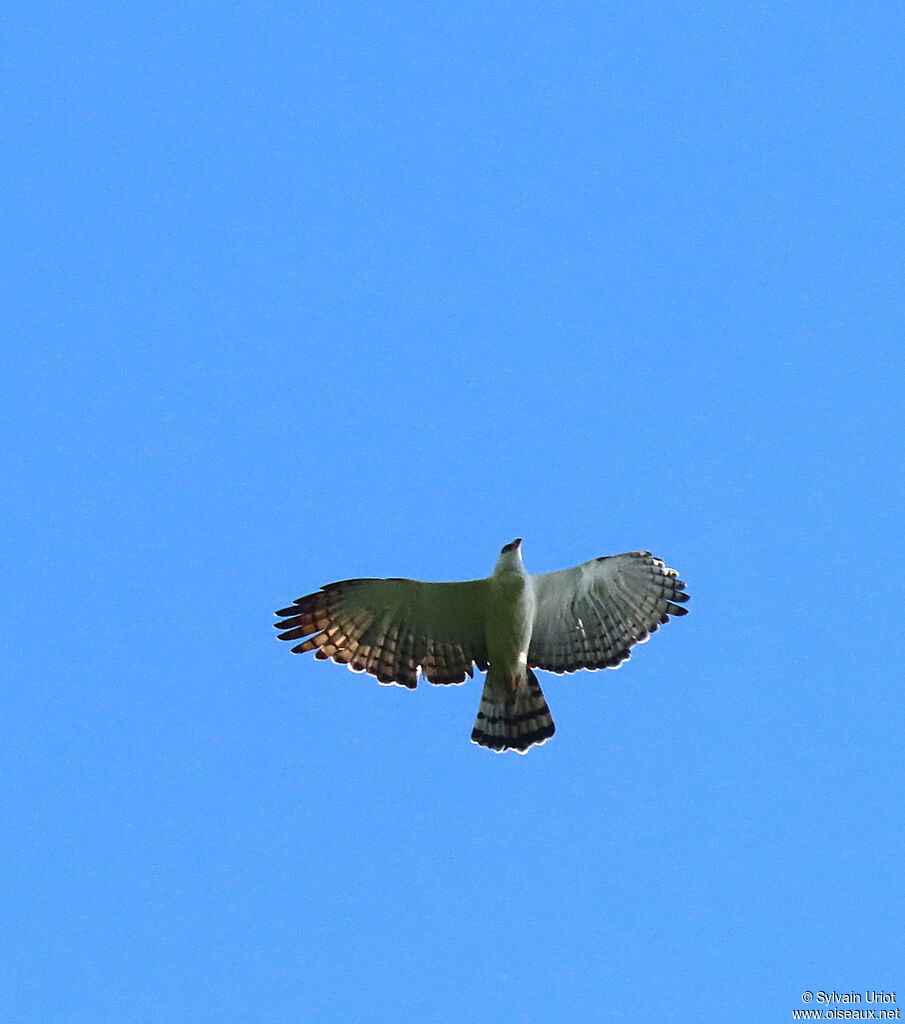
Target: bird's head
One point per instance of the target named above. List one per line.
(510, 556)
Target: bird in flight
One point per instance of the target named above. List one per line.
(507, 624)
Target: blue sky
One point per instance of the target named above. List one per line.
(298, 292)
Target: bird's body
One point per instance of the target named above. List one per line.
(513, 712)
(507, 624)
(510, 621)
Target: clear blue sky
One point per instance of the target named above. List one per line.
(298, 292)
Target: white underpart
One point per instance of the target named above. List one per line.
(510, 619)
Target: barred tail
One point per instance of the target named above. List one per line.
(513, 722)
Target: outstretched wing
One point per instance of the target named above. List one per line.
(592, 615)
(391, 627)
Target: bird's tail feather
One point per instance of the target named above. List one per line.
(514, 722)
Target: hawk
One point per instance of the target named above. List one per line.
(507, 624)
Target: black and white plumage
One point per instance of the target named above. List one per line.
(507, 624)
